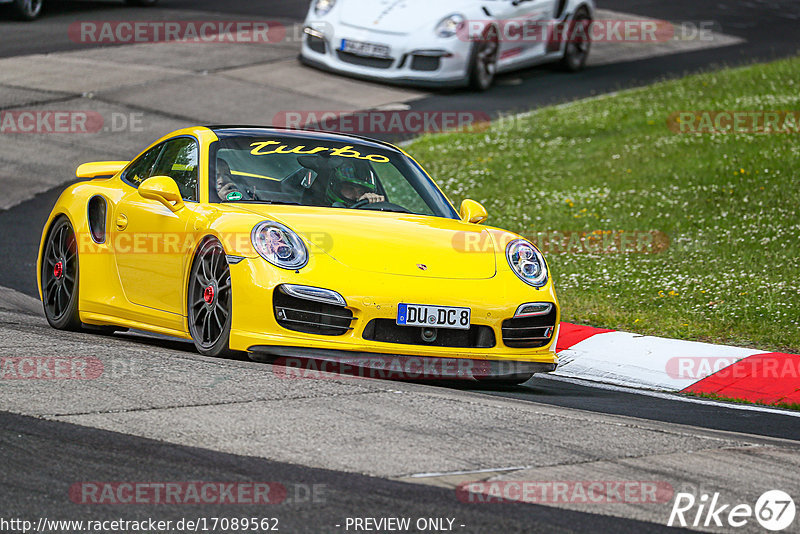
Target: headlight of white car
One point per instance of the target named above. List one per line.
(322, 7)
(279, 245)
(527, 262)
(450, 25)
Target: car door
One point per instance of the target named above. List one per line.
(524, 28)
(153, 245)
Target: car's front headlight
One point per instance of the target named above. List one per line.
(279, 245)
(450, 25)
(527, 262)
(322, 7)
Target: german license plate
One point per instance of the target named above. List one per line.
(433, 316)
(365, 49)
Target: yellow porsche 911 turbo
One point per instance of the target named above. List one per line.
(288, 243)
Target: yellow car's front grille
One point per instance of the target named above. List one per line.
(388, 331)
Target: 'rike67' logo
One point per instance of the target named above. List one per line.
(774, 510)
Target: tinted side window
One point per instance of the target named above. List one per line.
(179, 161)
(142, 168)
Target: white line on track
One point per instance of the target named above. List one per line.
(489, 470)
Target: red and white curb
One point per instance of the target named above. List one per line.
(637, 361)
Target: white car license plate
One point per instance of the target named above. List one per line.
(365, 49)
(433, 316)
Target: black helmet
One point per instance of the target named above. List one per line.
(355, 173)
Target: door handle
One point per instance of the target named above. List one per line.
(122, 221)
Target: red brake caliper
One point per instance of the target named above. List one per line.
(208, 295)
(58, 270)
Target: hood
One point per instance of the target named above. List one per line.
(397, 16)
(390, 243)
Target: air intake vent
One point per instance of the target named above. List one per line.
(529, 332)
(425, 63)
(388, 331)
(316, 44)
(309, 316)
(373, 62)
(97, 218)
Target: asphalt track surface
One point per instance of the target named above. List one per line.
(41, 458)
(44, 458)
(44, 36)
(769, 28)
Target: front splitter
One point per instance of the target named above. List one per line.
(303, 362)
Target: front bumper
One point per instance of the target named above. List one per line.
(418, 61)
(299, 362)
(371, 295)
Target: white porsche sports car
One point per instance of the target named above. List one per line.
(444, 42)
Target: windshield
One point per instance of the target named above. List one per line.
(321, 172)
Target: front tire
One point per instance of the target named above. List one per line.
(27, 10)
(483, 64)
(505, 381)
(60, 277)
(210, 300)
(576, 51)
(141, 3)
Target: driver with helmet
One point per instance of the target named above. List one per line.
(350, 183)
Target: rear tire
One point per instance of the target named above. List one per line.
(209, 301)
(576, 50)
(60, 277)
(141, 3)
(27, 10)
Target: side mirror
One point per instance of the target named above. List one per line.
(100, 169)
(473, 212)
(163, 189)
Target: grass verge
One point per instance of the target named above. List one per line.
(726, 206)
